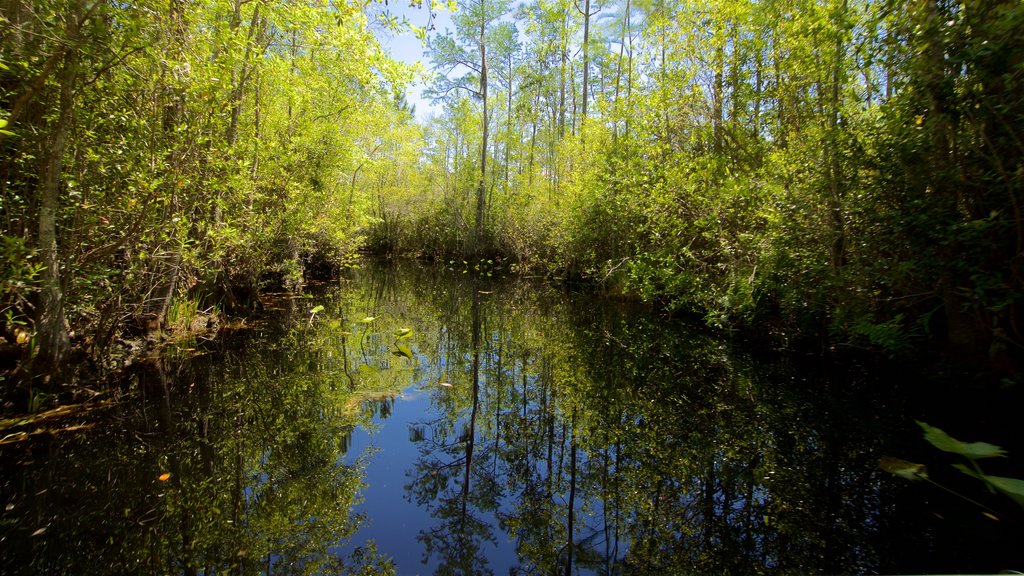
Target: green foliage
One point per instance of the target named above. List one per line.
(836, 169)
(947, 443)
(212, 145)
(1012, 487)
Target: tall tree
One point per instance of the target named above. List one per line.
(467, 50)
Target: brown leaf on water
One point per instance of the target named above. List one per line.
(446, 384)
(164, 477)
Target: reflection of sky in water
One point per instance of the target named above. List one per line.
(393, 521)
(705, 462)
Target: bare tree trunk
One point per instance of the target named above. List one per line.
(586, 62)
(482, 186)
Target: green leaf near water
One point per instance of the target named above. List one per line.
(903, 468)
(316, 309)
(402, 351)
(368, 319)
(947, 443)
(403, 333)
(1012, 487)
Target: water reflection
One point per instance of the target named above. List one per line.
(226, 462)
(429, 422)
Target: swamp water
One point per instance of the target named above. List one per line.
(419, 421)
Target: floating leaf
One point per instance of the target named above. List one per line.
(39, 532)
(403, 333)
(164, 477)
(947, 443)
(368, 319)
(316, 309)
(446, 384)
(402, 351)
(903, 468)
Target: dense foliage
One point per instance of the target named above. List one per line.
(167, 155)
(844, 169)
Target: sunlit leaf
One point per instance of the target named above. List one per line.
(446, 384)
(403, 333)
(947, 443)
(368, 319)
(316, 309)
(903, 468)
(164, 477)
(402, 351)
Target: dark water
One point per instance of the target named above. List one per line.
(517, 429)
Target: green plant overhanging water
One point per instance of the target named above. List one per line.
(972, 452)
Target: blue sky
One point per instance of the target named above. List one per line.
(407, 48)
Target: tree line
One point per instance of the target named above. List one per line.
(844, 169)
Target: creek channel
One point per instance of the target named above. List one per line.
(419, 419)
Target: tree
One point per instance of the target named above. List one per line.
(452, 54)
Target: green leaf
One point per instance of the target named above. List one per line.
(947, 443)
(316, 309)
(3, 123)
(903, 468)
(402, 351)
(403, 333)
(1012, 487)
(368, 319)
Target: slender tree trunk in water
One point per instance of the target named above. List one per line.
(52, 339)
(570, 528)
(472, 415)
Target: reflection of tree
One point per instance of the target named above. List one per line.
(458, 537)
(596, 439)
(616, 443)
(228, 462)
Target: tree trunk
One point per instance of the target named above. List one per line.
(478, 234)
(52, 341)
(586, 63)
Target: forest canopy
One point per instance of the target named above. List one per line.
(841, 169)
